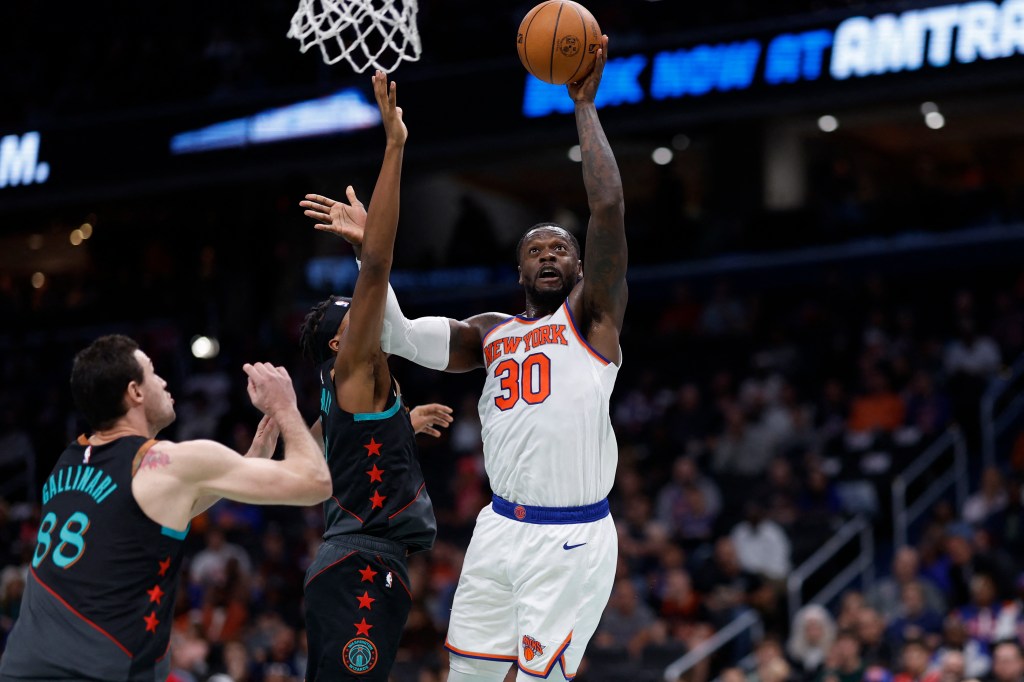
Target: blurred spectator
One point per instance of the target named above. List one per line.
(970, 354)
(210, 565)
(688, 504)
(955, 638)
(928, 409)
(741, 450)
(952, 666)
(914, 663)
(878, 408)
(812, 636)
(761, 545)
(627, 621)
(843, 663)
(991, 498)
(914, 619)
(875, 649)
(1007, 662)
(887, 594)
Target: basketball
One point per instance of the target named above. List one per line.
(558, 41)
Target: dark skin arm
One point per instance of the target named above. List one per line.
(599, 301)
(362, 378)
(349, 221)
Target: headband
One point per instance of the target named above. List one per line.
(328, 327)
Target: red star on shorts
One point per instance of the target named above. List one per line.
(363, 628)
(367, 574)
(365, 601)
(156, 594)
(164, 565)
(378, 500)
(373, 447)
(151, 622)
(375, 474)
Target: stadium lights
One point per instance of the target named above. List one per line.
(929, 108)
(575, 154)
(935, 120)
(205, 347)
(662, 156)
(828, 123)
(681, 142)
(38, 280)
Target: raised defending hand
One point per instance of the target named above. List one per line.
(270, 388)
(265, 441)
(586, 89)
(390, 112)
(345, 220)
(428, 418)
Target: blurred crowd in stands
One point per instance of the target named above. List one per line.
(752, 418)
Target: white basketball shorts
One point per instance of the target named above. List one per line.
(534, 585)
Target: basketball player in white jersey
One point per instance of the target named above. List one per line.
(540, 566)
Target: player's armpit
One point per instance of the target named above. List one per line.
(466, 349)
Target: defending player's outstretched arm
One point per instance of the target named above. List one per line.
(362, 379)
(601, 305)
(433, 342)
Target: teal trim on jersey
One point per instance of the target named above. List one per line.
(375, 416)
(176, 534)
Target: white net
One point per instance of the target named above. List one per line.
(366, 33)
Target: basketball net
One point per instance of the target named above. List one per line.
(366, 33)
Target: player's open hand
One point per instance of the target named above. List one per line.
(390, 112)
(337, 217)
(429, 418)
(265, 441)
(270, 388)
(586, 89)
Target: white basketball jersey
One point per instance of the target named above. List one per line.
(547, 434)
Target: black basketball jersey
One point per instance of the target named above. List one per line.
(102, 583)
(378, 485)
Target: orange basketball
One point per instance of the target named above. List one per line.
(558, 41)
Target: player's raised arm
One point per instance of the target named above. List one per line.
(604, 284)
(433, 342)
(354, 363)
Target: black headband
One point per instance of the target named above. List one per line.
(328, 327)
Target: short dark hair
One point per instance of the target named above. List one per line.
(309, 342)
(99, 377)
(522, 240)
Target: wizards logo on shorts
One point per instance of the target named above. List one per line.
(359, 655)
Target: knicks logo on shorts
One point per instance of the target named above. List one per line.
(531, 648)
(359, 655)
(520, 512)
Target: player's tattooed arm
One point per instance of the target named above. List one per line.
(604, 284)
(155, 458)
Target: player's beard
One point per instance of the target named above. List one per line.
(549, 299)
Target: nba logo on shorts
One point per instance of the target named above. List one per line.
(359, 655)
(520, 512)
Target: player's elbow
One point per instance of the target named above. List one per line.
(319, 485)
(609, 205)
(322, 489)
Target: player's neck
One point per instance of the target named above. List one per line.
(131, 424)
(535, 310)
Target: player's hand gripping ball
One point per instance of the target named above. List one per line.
(558, 41)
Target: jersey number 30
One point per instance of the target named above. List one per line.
(529, 380)
(70, 538)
